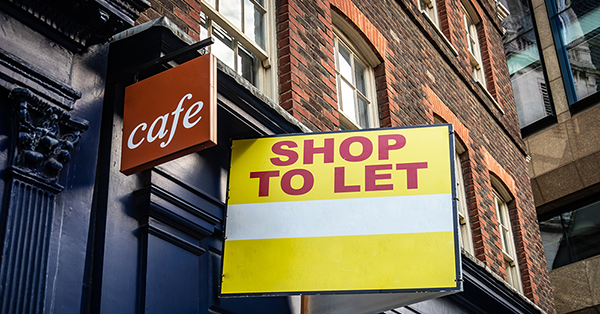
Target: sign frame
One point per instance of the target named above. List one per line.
(433, 292)
(179, 115)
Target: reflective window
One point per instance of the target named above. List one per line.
(355, 84)
(577, 26)
(525, 68)
(571, 236)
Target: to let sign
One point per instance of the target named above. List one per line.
(170, 115)
(357, 211)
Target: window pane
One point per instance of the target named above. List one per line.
(344, 62)
(579, 27)
(232, 11)
(254, 23)
(572, 236)
(247, 64)
(359, 74)
(223, 46)
(347, 100)
(363, 113)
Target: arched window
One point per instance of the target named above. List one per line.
(471, 20)
(354, 63)
(501, 199)
(465, 233)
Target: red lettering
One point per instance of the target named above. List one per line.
(385, 147)
(263, 180)
(412, 181)
(371, 178)
(327, 151)
(291, 155)
(286, 182)
(367, 148)
(340, 184)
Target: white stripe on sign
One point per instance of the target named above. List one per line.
(323, 218)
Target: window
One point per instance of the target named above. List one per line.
(464, 230)
(473, 45)
(571, 236)
(524, 65)
(466, 237)
(429, 7)
(507, 240)
(240, 33)
(355, 87)
(576, 27)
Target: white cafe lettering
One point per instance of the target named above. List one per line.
(192, 111)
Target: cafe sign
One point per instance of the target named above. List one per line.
(170, 115)
(339, 212)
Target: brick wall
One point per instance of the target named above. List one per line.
(419, 76)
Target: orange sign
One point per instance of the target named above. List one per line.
(169, 115)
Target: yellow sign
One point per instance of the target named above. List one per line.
(364, 211)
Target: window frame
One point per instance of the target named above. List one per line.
(464, 221)
(346, 122)
(265, 76)
(507, 239)
(470, 21)
(563, 54)
(431, 11)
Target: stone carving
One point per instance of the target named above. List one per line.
(46, 135)
(79, 24)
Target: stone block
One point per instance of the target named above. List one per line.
(560, 182)
(549, 149)
(584, 132)
(571, 288)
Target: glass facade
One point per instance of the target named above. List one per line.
(572, 236)
(524, 65)
(577, 34)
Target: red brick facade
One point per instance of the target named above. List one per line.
(419, 76)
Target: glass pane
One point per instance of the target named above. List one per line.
(505, 239)
(562, 4)
(254, 23)
(359, 75)
(223, 46)
(572, 236)
(232, 11)
(212, 3)
(203, 26)
(247, 64)
(527, 78)
(363, 112)
(347, 98)
(344, 62)
(583, 230)
(580, 30)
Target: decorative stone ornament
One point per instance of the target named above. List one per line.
(46, 135)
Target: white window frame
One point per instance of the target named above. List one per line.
(464, 224)
(266, 74)
(507, 240)
(429, 8)
(466, 236)
(346, 121)
(470, 20)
